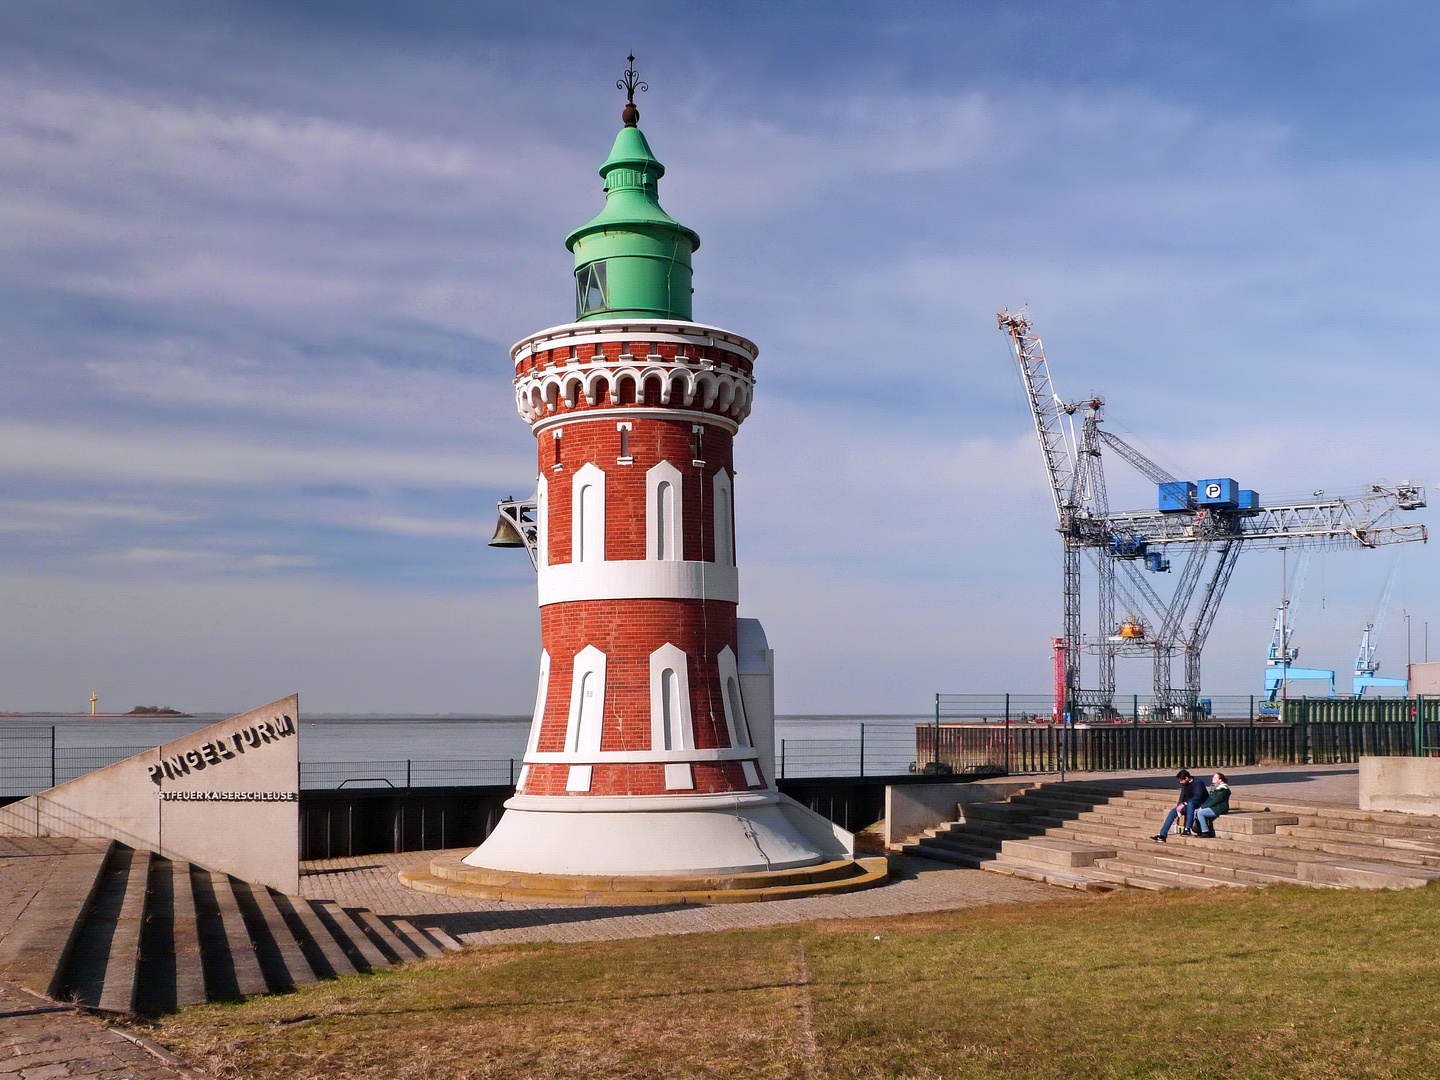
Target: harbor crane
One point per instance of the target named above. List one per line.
(1280, 666)
(1191, 520)
(1367, 668)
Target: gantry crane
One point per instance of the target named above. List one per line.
(1218, 521)
(1367, 668)
(1280, 660)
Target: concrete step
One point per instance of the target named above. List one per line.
(172, 973)
(1400, 856)
(351, 938)
(1134, 880)
(1097, 835)
(1354, 874)
(959, 846)
(1004, 812)
(232, 969)
(1053, 851)
(322, 951)
(1058, 796)
(110, 929)
(1252, 822)
(1200, 865)
(396, 948)
(122, 930)
(1376, 829)
(1155, 876)
(1422, 845)
(36, 951)
(969, 838)
(952, 856)
(416, 940)
(281, 958)
(1050, 875)
(1237, 851)
(117, 993)
(1016, 831)
(441, 938)
(1373, 817)
(979, 832)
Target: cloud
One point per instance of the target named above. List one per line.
(54, 516)
(257, 296)
(189, 457)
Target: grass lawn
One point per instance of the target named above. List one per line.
(1281, 982)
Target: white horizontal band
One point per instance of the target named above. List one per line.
(601, 330)
(744, 800)
(638, 579)
(605, 412)
(640, 757)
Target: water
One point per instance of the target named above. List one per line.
(366, 749)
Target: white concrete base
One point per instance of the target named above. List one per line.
(679, 834)
(1407, 784)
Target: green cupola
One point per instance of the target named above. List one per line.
(633, 259)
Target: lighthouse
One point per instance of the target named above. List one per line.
(651, 750)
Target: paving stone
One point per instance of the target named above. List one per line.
(42, 1041)
(918, 885)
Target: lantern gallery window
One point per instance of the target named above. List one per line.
(590, 288)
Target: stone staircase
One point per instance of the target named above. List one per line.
(1096, 836)
(122, 930)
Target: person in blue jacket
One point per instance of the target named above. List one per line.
(1192, 795)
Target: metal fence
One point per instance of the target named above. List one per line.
(972, 732)
(407, 773)
(27, 760)
(1136, 708)
(874, 750)
(30, 761)
(1045, 748)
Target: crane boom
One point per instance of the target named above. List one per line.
(1143, 464)
(1046, 409)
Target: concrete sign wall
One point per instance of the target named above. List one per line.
(1423, 679)
(226, 797)
(1409, 785)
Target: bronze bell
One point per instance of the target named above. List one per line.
(506, 534)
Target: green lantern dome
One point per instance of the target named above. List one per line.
(633, 259)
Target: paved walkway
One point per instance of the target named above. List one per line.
(919, 885)
(40, 1040)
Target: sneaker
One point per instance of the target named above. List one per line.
(1159, 838)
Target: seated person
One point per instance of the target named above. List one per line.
(1192, 794)
(1218, 803)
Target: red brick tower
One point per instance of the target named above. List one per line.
(651, 749)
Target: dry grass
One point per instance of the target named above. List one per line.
(1283, 982)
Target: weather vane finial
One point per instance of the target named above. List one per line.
(630, 82)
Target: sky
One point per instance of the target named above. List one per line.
(261, 265)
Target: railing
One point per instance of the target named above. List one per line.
(1136, 708)
(1043, 748)
(1316, 731)
(31, 762)
(1354, 710)
(408, 773)
(874, 750)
